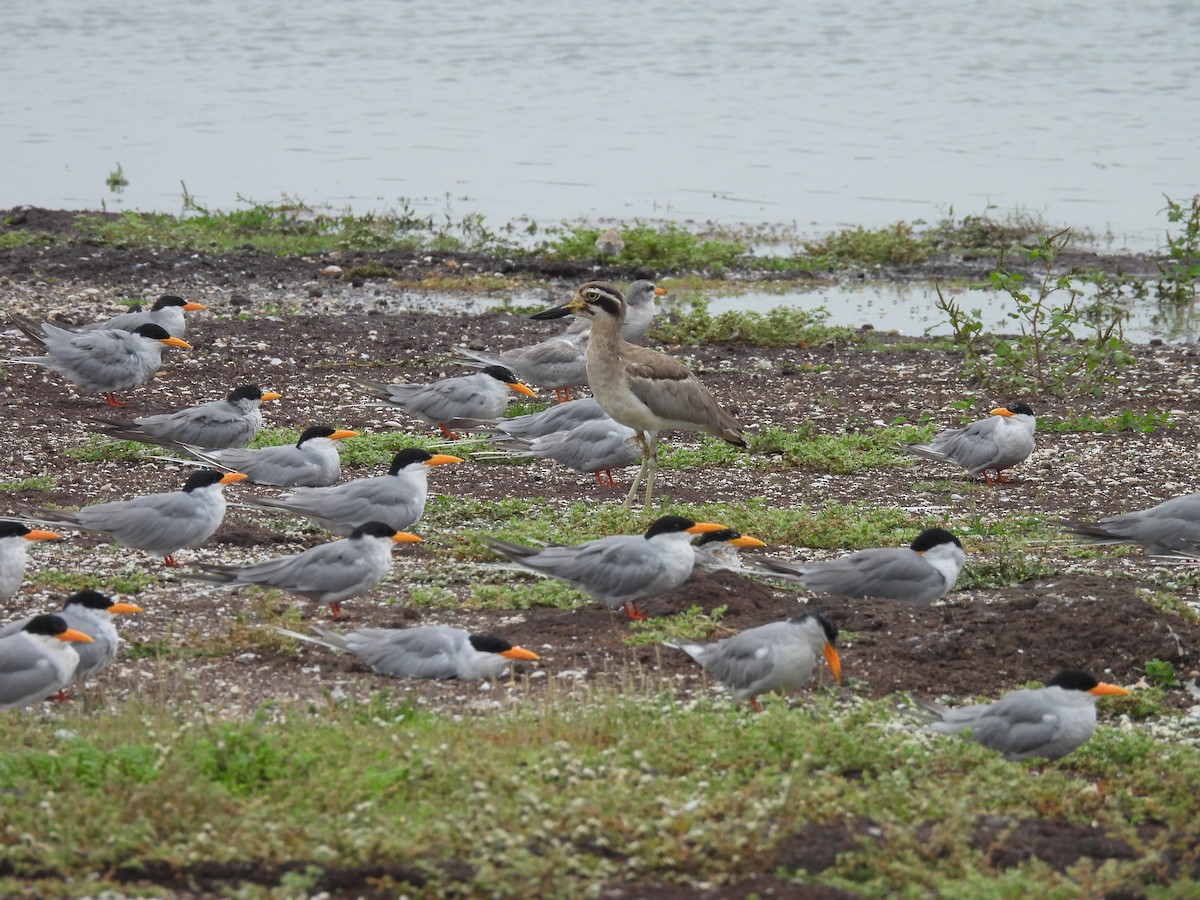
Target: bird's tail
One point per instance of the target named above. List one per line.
(326, 638)
(31, 329)
(925, 451)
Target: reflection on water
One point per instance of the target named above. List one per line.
(818, 114)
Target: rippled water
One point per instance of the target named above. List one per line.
(818, 114)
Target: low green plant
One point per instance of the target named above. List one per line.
(116, 180)
(1126, 420)
(1162, 673)
(33, 483)
(665, 246)
(130, 581)
(782, 326)
(694, 624)
(1179, 270)
(1046, 357)
(857, 451)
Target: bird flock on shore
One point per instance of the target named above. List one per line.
(637, 394)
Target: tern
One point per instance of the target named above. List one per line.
(621, 569)
(15, 538)
(218, 425)
(1172, 528)
(312, 461)
(1047, 723)
(1002, 440)
(167, 314)
(779, 656)
(38, 660)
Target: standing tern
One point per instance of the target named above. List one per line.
(106, 361)
(1172, 528)
(167, 314)
(597, 446)
(483, 395)
(646, 390)
(90, 612)
(619, 570)
(1047, 722)
(1002, 440)
(427, 651)
(560, 417)
(218, 425)
(38, 660)
(396, 499)
(918, 573)
(312, 461)
(328, 573)
(157, 523)
(778, 656)
(15, 538)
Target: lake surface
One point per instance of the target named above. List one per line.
(822, 115)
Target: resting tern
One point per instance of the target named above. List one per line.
(396, 499)
(619, 570)
(90, 612)
(312, 461)
(107, 360)
(328, 573)
(717, 550)
(560, 417)
(998, 442)
(641, 388)
(557, 363)
(919, 573)
(483, 395)
(157, 523)
(167, 313)
(427, 651)
(778, 656)
(1171, 528)
(219, 425)
(596, 446)
(15, 538)
(1047, 722)
(38, 660)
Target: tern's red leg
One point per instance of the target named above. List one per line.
(60, 697)
(335, 609)
(1000, 479)
(169, 560)
(754, 704)
(562, 395)
(633, 612)
(111, 399)
(447, 432)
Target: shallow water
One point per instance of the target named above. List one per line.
(817, 114)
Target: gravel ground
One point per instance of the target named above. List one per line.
(284, 325)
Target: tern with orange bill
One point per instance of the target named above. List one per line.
(15, 538)
(313, 461)
(218, 425)
(999, 442)
(621, 569)
(778, 656)
(718, 550)
(38, 661)
(167, 313)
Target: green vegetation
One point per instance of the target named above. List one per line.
(552, 798)
(129, 581)
(692, 625)
(1046, 357)
(780, 327)
(1162, 673)
(116, 180)
(897, 244)
(1126, 420)
(665, 246)
(1180, 272)
(858, 451)
(33, 483)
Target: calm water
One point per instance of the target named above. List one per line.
(814, 113)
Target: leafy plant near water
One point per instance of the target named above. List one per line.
(779, 327)
(897, 244)
(1179, 273)
(1046, 357)
(666, 246)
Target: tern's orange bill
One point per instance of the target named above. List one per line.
(403, 537)
(36, 534)
(519, 653)
(122, 608)
(746, 541)
(73, 636)
(834, 661)
(441, 459)
(231, 477)
(343, 433)
(702, 527)
(522, 389)
(176, 342)
(1108, 690)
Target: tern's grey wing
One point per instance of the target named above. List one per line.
(218, 425)
(159, 523)
(892, 572)
(26, 673)
(11, 628)
(105, 360)
(429, 651)
(328, 572)
(283, 466)
(973, 447)
(746, 659)
(1018, 724)
(560, 417)
(1171, 526)
(392, 499)
(592, 446)
(612, 567)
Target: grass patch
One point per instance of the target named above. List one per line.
(871, 448)
(665, 246)
(33, 483)
(1170, 603)
(692, 625)
(1126, 420)
(897, 244)
(130, 581)
(554, 797)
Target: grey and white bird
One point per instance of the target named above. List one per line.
(157, 523)
(558, 363)
(1001, 441)
(778, 656)
(483, 395)
(217, 425)
(106, 361)
(1047, 723)
(597, 446)
(559, 417)
(313, 461)
(328, 573)
(396, 499)
(167, 313)
(426, 651)
(90, 612)
(641, 306)
(15, 538)
(919, 573)
(643, 389)
(1172, 528)
(621, 569)
(37, 661)
(718, 550)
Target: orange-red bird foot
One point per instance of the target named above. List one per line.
(633, 612)
(111, 399)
